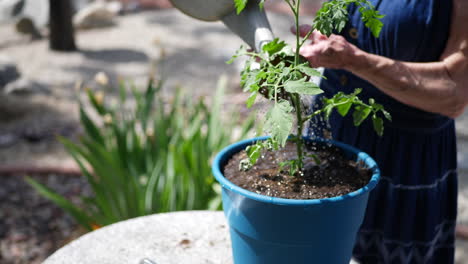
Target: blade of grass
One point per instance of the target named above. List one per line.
(81, 217)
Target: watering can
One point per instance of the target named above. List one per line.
(251, 25)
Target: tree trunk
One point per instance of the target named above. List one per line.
(61, 26)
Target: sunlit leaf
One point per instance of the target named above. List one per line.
(240, 5)
(274, 46)
(360, 114)
(251, 100)
(302, 86)
(378, 125)
(254, 152)
(304, 68)
(279, 121)
(343, 107)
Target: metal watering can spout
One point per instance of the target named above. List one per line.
(251, 25)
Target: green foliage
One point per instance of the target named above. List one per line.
(302, 86)
(343, 103)
(154, 157)
(333, 15)
(81, 217)
(291, 165)
(254, 152)
(282, 76)
(371, 19)
(279, 122)
(240, 5)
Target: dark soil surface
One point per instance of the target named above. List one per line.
(334, 176)
(31, 227)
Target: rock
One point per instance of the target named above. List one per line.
(24, 86)
(97, 15)
(25, 25)
(8, 71)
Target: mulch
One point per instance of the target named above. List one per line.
(32, 227)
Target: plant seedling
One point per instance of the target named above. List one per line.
(281, 75)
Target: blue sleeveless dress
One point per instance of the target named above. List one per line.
(411, 214)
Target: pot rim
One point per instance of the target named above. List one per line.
(230, 150)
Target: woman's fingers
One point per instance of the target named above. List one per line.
(311, 53)
(317, 36)
(334, 52)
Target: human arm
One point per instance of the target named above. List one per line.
(440, 87)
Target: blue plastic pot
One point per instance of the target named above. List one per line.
(272, 230)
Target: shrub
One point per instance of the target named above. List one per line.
(150, 159)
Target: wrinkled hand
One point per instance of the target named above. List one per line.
(330, 52)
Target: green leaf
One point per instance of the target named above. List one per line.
(333, 16)
(279, 121)
(328, 110)
(254, 152)
(274, 46)
(371, 19)
(214, 122)
(357, 91)
(344, 106)
(249, 80)
(304, 68)
(387, 115)
(98, 105)
(261, 4)
(292, 164)
(70, 208)
(271, 144)
(315, 157)
(287, 51)
(122, 92)
(378, 125)
(240, 5)
(302, 87)
(239, 52)
(360, 114)
(251, 100)
(285, 72)
(91, 129)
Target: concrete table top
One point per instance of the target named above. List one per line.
(195, 237)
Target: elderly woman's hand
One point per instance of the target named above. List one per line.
(330, 52)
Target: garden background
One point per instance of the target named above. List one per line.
(122, 40)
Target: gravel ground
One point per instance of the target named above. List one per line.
(31, 227)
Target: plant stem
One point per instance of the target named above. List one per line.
(298, 43)
(300, 126)
(296, 97)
